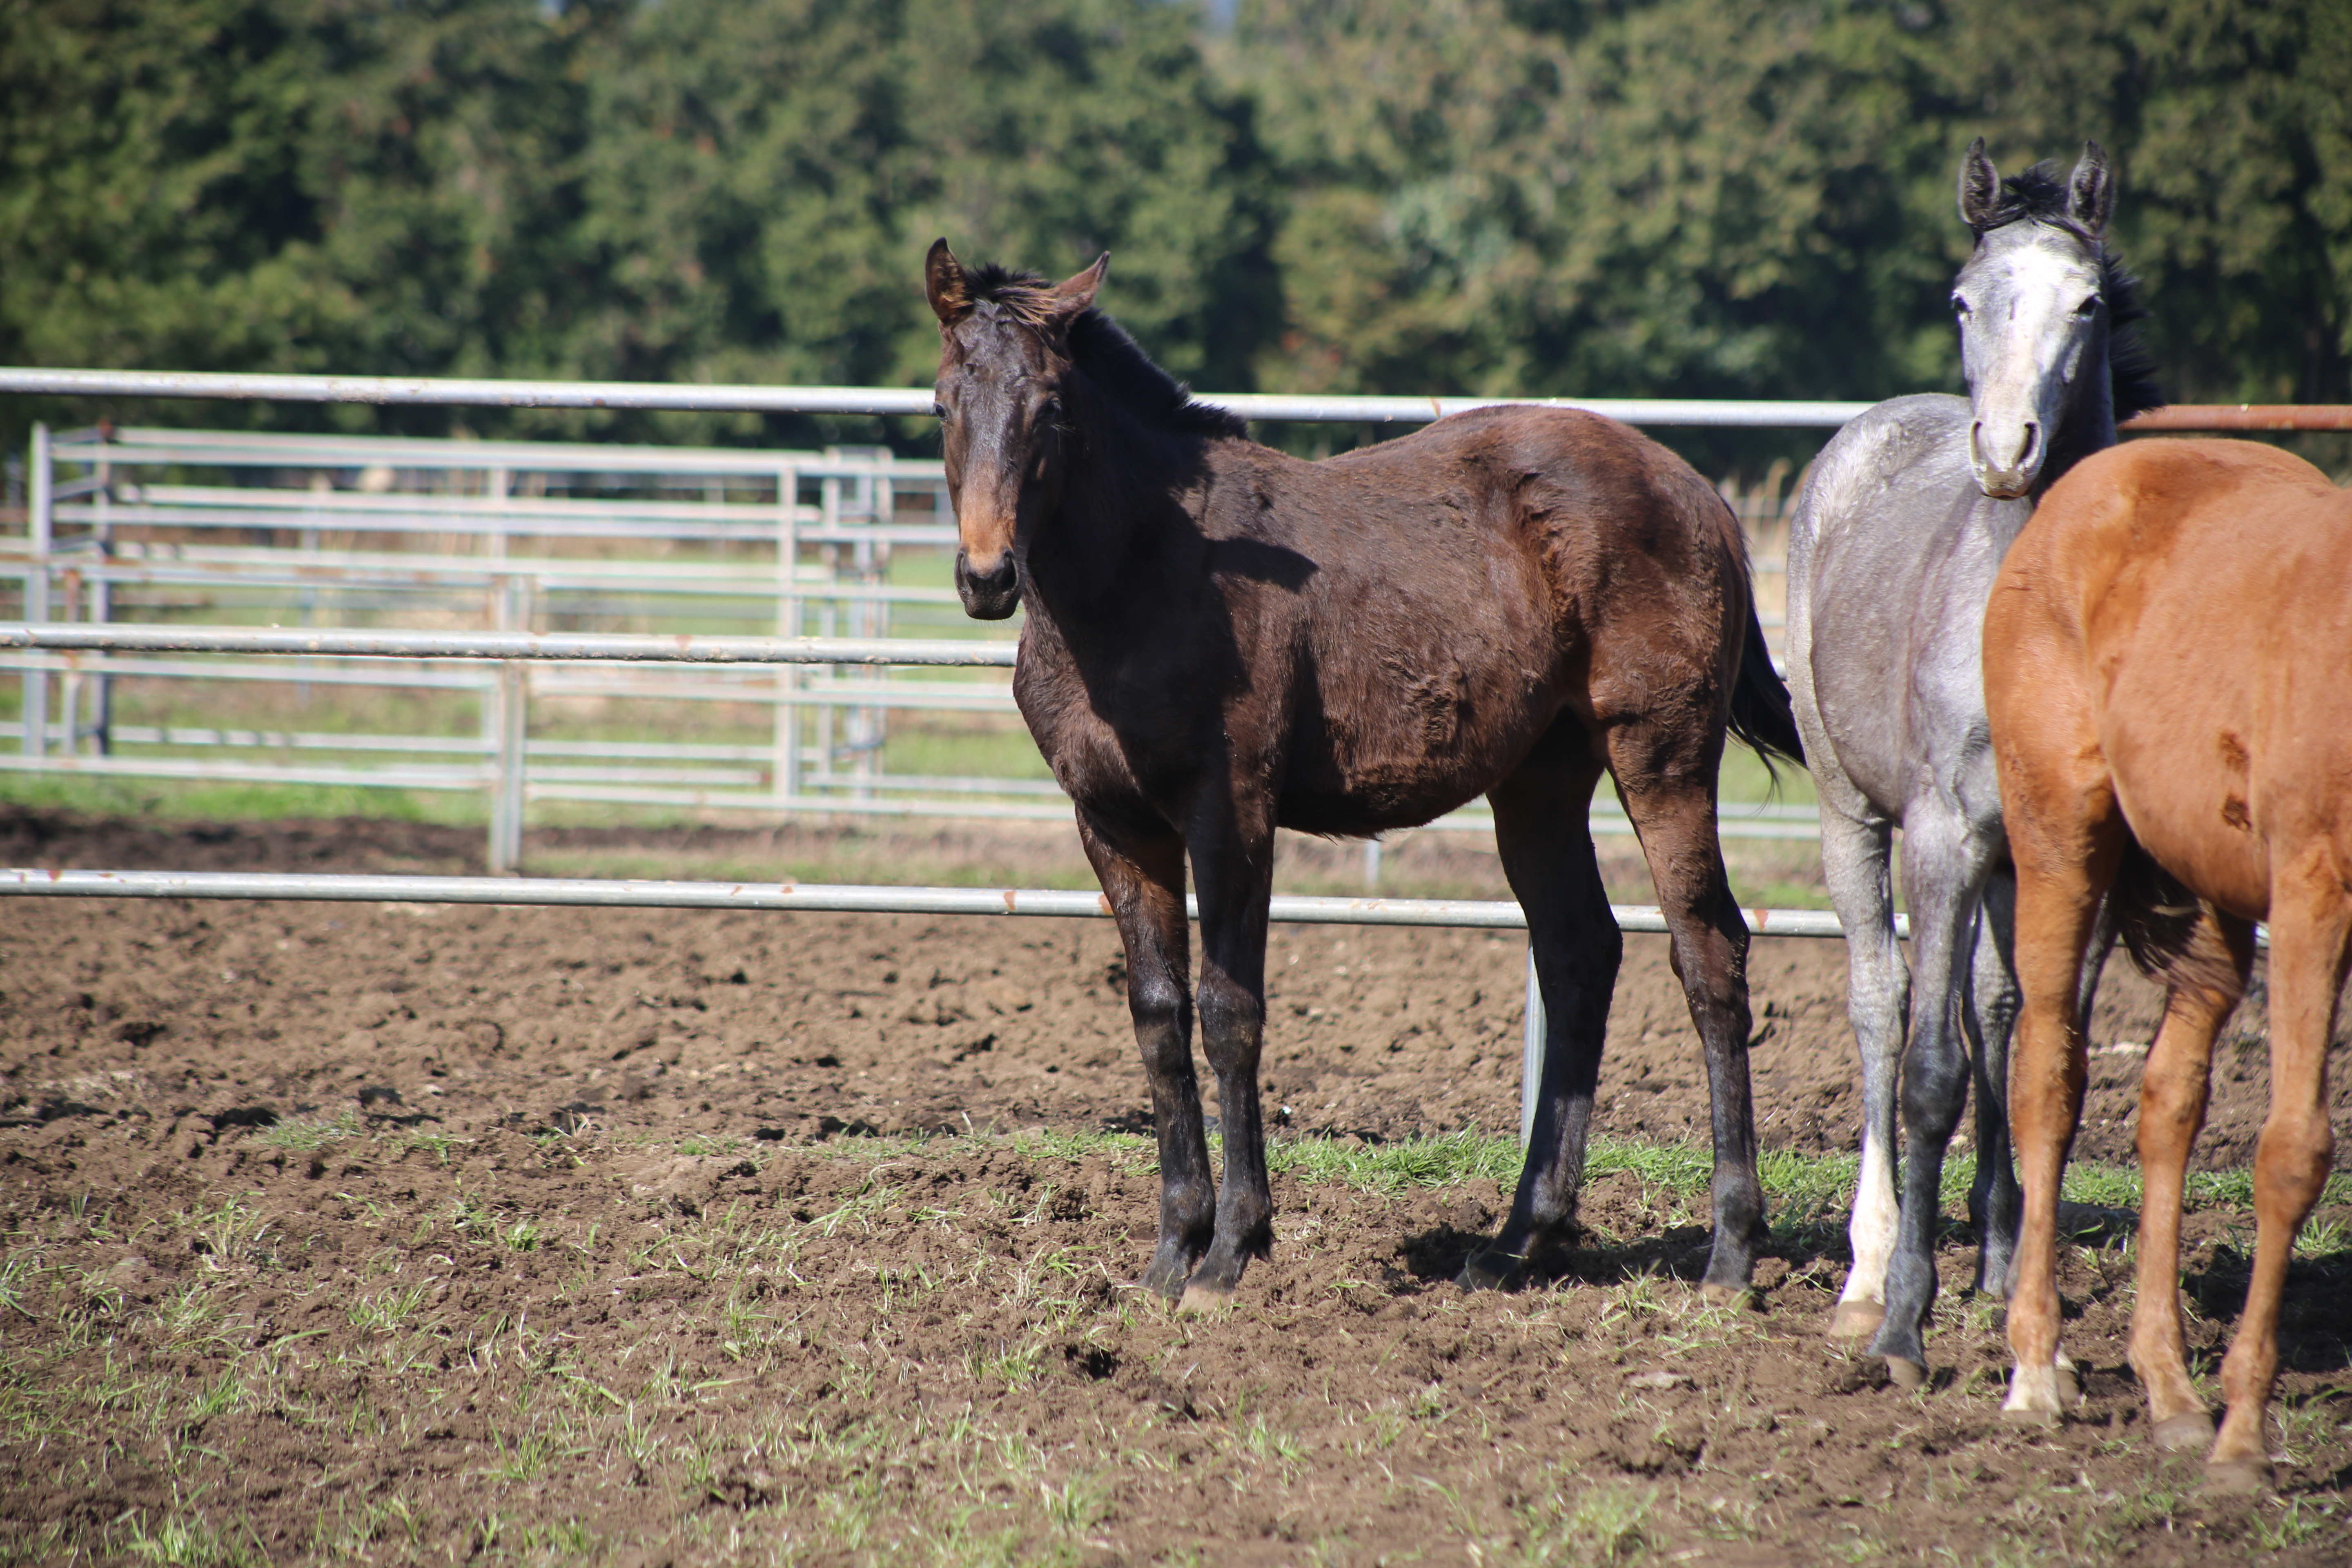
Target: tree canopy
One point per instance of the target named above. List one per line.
(1596, 197)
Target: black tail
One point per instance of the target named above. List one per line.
(1761, 714)
(2174, 937)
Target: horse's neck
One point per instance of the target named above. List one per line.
(2089, 424)
(1128, 503)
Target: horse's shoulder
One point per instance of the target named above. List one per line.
(1904, 444)
(1894, 434)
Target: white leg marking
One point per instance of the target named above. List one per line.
(1872, 1229)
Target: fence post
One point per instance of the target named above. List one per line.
(510, 701)
(101, 610)
(788, 625)
(1531, 1053)
(35, 707)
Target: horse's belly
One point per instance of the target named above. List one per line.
(1361, 773)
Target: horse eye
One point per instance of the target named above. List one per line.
(938, 409)
(1960, 306)
(2088, 308)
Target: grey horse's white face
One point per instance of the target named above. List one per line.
(2033, 322)
(2031, 318)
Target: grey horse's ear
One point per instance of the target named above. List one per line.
(2091, 194)
(943, 284)
(1979, 189)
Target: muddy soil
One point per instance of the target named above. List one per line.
(410, 1232)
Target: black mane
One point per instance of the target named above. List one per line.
(2131, 367)
(2040, 194)
(1101, 349)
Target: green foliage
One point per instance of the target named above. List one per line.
(691, 191)
(1697, 197)
(1702, 199)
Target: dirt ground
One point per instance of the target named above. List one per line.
(426, 1233)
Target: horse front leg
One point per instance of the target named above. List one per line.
(1233, 866)
(1142, 875)
(1946, 859)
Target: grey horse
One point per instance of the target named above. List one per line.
(1898, 532)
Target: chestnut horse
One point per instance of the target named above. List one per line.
(1222, 639)
(2164, 664)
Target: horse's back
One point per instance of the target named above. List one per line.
(1478, 579)
(2200, 593)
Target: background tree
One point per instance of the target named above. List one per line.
(1627, 197)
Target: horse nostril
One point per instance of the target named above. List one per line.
(989, 594)
(2032, 439)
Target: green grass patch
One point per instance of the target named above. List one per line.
(309, 1134)
(1438, 1162)
(1806, 1186)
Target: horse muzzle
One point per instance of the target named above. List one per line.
(2014, 479)
(991, 595)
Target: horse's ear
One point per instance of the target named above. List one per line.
(1979, 189)
(943, 283)
(2091, 194)
(1075, 294)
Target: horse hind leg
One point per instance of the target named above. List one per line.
(2310, 920)
(1989, 1012)
(1667, 783)
(1854, 859)
(2067, 839)
(1142, 878)
(2171, 1113)
(1540, 814)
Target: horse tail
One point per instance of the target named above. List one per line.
(2174, 937)
(1760, 712)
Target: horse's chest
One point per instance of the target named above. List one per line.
(1111, 731)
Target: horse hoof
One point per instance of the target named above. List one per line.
(1856, 1320)
(1204, 1298)
(1736, 1296)
(1486, 1271)
(2188, 1432)
(2238, 1475)
(1168, 1282)
(1906, 1375)
(2036, 1397)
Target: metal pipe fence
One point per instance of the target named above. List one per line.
(520, 533)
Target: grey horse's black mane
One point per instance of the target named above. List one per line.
(2040, 194)
(1100, 348)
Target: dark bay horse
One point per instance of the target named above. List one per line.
(1898, 532)
(2165, 660)
(1222, 639)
